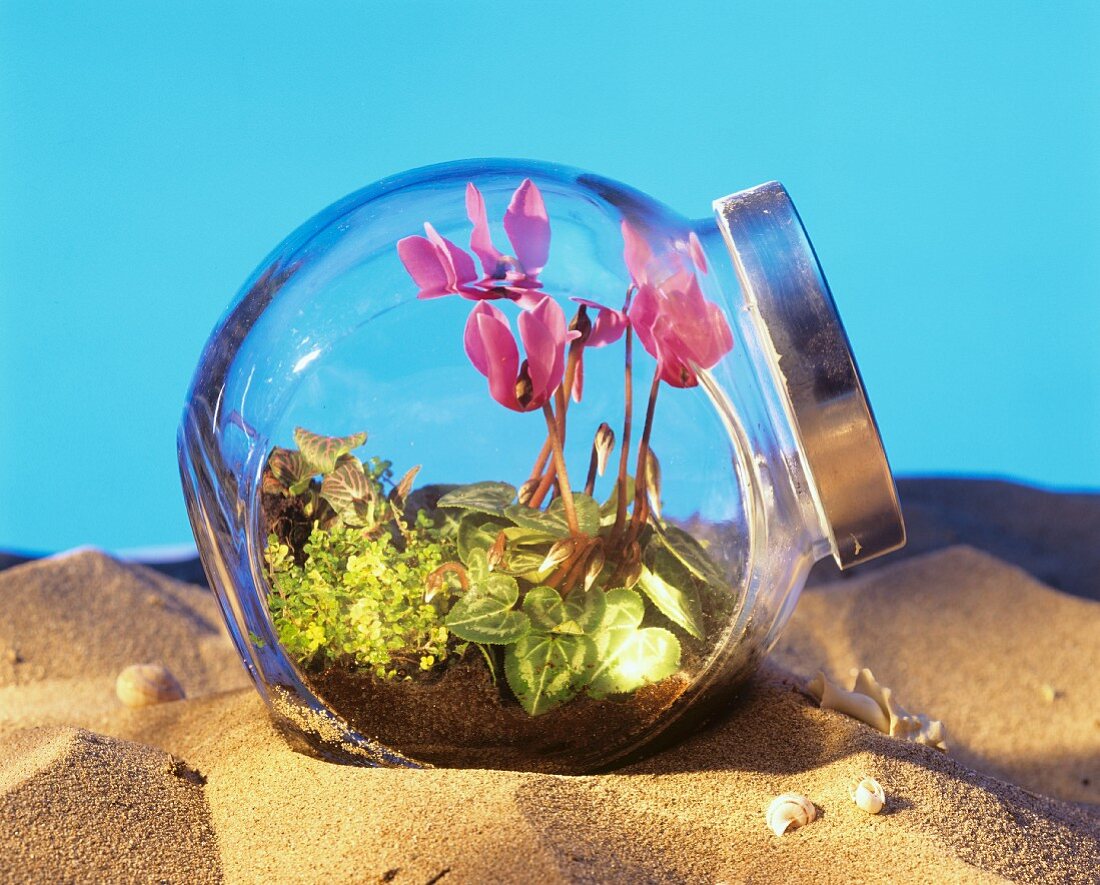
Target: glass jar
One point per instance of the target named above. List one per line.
(504, 464)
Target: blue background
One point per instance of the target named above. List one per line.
(944, 159)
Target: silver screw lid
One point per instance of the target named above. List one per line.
(812, 361)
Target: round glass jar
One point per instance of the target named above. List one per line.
(504, 464)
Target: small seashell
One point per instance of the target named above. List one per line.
(140, 685)
(867, 793)
(789, 812)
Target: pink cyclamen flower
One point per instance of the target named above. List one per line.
(676, 325)
(528, 228)
(493, 351)
(438, 266)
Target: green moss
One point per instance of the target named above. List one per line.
(360, 597)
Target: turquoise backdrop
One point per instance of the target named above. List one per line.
(944, 157)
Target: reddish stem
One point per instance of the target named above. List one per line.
(624, 451)
(559, 466)
(641, 472)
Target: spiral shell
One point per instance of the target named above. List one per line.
(140, 685)
(789, 812)
(867, 793)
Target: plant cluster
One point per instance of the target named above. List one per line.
(569, 619)
(576, 595)
(354, 589)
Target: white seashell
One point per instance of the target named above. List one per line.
(140, 685)
(789, 812)
(867, 793)
(874, 704)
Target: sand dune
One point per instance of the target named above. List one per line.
(958, 635)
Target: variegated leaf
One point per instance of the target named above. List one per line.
(322, 452)
(346, 484)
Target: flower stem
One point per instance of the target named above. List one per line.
(540, 462)
(590, 480)
(561, 398)
(641, 472)
(624, 451)
(562, 473)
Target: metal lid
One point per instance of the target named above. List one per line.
(834, 427)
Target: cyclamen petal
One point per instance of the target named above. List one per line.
(492, 261)
(421, 260)
(458, 265)
(636, 254)
(528, 228)
(608, 328)
(544, 360)
(493, 351)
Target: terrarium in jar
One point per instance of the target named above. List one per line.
(502, 464)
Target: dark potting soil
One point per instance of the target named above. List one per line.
(461, 718)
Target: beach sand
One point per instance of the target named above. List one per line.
(204, 789)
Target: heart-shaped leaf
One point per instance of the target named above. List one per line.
(671, 590)
(286, 467)
(585, 609)
(588, 512)
(581, 612)
(541, 521)
(622, 608)
(346, 484)
(481, 497)
(476, 531)
(546, 670)
(322, 452)
(630, 658)
(477, 564)
(485, 612)
(544, 607)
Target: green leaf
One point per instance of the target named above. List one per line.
(287, 467)
(477, 531)
(630, 658)
(481, 497)
(527, 537)
(623, 608)
(301, 485)
(669, 587)
(484, 613)
(346, 484)
(477, 564)
(581, 612)
(588, 512)
(521, 563)
(585, 610)
(544, 670)
(544, 607)
(360, 513)
(541, 521)
(322, 452)
(691, 554)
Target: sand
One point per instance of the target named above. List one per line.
(205, 789)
